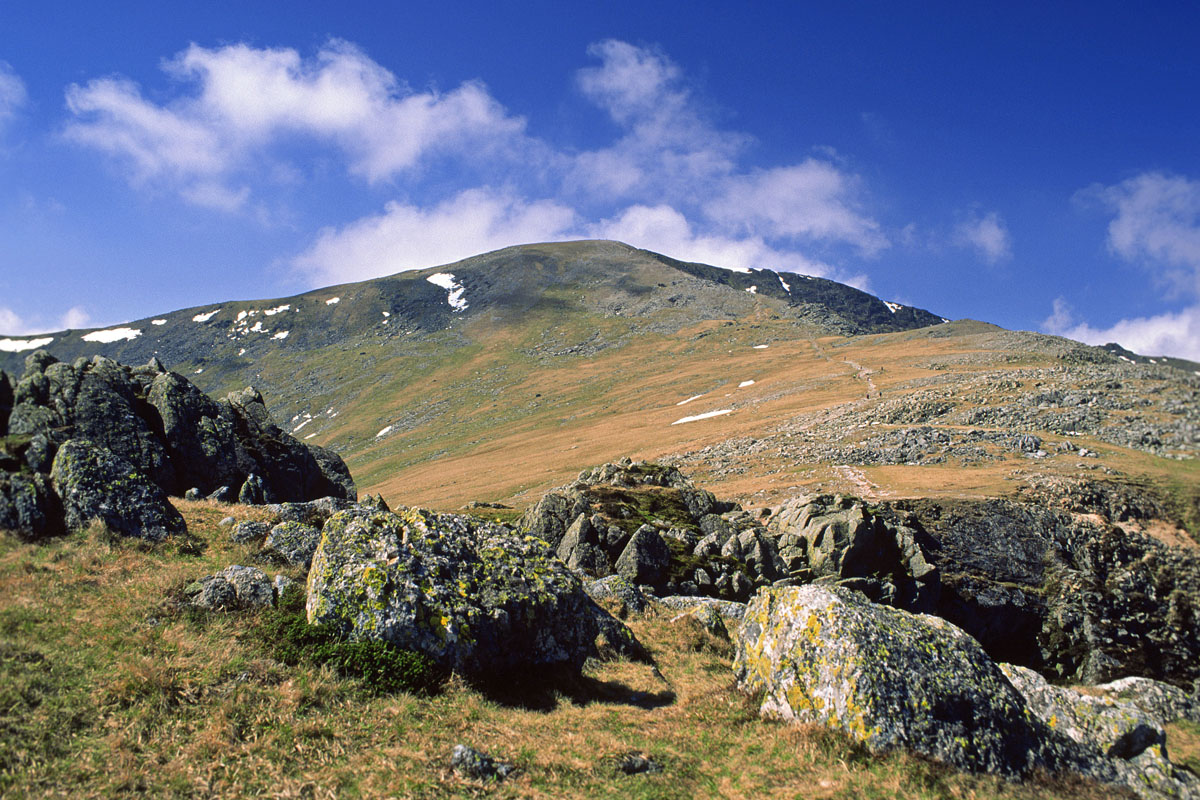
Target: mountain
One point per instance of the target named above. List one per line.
(502, 375)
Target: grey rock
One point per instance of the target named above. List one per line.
(249, 532)
(29, 506)
(889, 679)
(471, 595)
(193, 494)
(233, 588)
(223, 494)
(254, 492)
(645, 559)
(638, 764)
(6, 401)
(471, 763)
(227, 522)
(615, 587)
(728, 609)
(94, 483)
(1164, 702)
(580, 548)
(281, 585)
(293, 542)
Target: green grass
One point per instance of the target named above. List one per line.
(108, 689)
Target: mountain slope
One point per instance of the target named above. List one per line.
(504, 374)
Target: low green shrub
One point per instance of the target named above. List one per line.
(382, 667)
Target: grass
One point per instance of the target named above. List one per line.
(107, 688)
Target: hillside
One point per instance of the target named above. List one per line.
(532, 362)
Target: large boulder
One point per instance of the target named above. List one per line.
(888, 678)
(199, 434)
(645, 559)
(29, 505)
(96, 484)
(472, 595)
(293, 543)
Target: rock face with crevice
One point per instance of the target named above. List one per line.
(473, 596)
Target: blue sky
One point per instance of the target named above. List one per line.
(1030, 164)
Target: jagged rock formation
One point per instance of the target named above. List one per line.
(116, 440)
(892, 679)
(97, 484)
(473, 596)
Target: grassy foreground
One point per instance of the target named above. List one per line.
(108, 689)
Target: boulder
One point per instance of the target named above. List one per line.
(887, 678)
(472, 595)
(249, 532)
(580, 548)
(199, 434)
(1164, 702)
(292, 542)
(29, 506)
(627, 595)
(471, 763)
(96, 484)
(233, 588)
(645, 559)
(731, 611)
(254, 492)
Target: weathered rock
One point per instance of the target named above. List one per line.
(614, 587)
(250, 532)
(645, 559)
(314, 512)
(471, 595)
(471, 763)
(1132, 740)
(888, 678)
(707, 618)
(193, 493)
(96, 484)
(199, 434)
(254, 492)
(729, 610)
(29, 506)
(1164, 702)
(637, 763)
(580, 548)
(293, 542)
(549, 518)
(233, 588)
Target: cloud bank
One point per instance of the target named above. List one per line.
(466, 173)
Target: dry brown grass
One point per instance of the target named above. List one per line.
(107, 690)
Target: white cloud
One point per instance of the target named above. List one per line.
(987, 234)
(12, 94)
(13, 324)
(665, 230)
(1157, 223)
(408, 237)
(1172, 334)
(812, 200)
(249, 98)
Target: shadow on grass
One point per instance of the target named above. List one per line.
(544, 689)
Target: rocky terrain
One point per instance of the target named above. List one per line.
(840, 515)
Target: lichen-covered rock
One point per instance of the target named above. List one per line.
(293, 542)
(580, 548)
(707, 618)
(29, 505)
(645, 559)
(471, 595)
(471, 763)
(254, 492)
(1133, 740)
(729, 610)
(888, 678)
(233, 588)
(250, 532)
(96, 484)
(1164, 702)
(615, 587)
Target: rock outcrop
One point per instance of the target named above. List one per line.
(165, 429)
(29, 505)
(473, 596)
(891, 679)
(96, 484)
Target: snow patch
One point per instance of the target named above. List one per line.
(206, 316)
(448, 282)
(690, 399)
(112, 335)
(301, 425)
(387, 313)
(1127, 360)
(158, 322)
(197, 372)
(385, 431)
(893, 307)
(21, 345)
(311, 435)
(333, 301)
(744, 384)
(761, 346)
(242, 352)
(705, 415)
(281, 335)
(241, 316)
(753, 290)
(270, 312)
